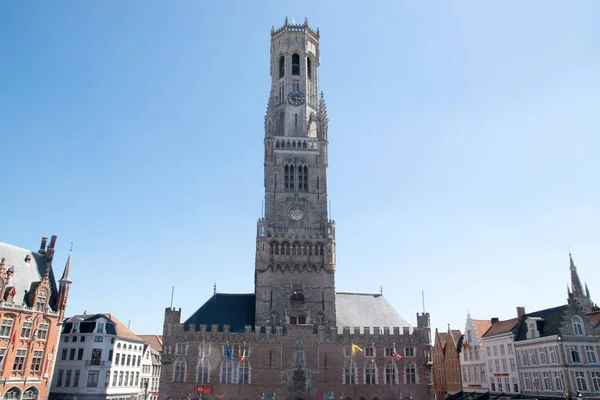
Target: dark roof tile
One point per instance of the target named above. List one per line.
(235, 310)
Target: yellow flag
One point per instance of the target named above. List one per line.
(354, 348)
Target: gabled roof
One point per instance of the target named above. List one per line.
(548, 322)
(441, 338)
(481, 326)
(361, 309)
(500, 327)
(235, 310)
(456, 334)
(155, 341)
(594, 317)
(29, 267)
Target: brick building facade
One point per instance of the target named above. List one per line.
(446, 363)
(31, 312)
(295, 337)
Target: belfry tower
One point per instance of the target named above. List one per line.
(295, 242)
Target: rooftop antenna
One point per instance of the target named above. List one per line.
(381, 290)
(262, 209)
(423, 299)
(172, 293)
(215, 289)
(128, 324)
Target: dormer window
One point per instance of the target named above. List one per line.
(295, 64)
(40, 303)
(577, 326)
(75, 327)
(100, 327)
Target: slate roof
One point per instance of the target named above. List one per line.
(155, 341)
(360, 310)
(235, 310)
(500, 327)
(548, 324)
(27, 274)
(87, 324)
(456, 334)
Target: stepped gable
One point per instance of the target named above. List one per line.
(234, 309)
(362, 309)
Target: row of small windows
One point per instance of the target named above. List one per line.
(41, 333)
(295, 66)
(296, 249)
(20, 359)
(239, 372)
(229, 371)
(370, 374)
(293, 144)
(70, 378)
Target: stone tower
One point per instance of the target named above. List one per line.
(295, 243)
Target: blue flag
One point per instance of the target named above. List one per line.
(229, 355)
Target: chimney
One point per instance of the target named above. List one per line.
(494, 320)
(43, 245)
(50, 249)
(520, 311)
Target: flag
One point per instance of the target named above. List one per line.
(229, 355)
(202, 360)
(243, 359)
(372, 359)
(465, 345)
(354, 348)
(396, 356)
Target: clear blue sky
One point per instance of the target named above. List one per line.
(464, 148)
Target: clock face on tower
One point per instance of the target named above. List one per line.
(296, 98)
(296, 213)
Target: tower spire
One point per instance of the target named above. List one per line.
(66, 276)
(576, 286)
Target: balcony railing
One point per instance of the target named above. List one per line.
(97, 362)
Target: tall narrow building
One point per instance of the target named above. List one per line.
(295, 337)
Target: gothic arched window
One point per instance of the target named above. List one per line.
(244, 371)
(303, 178)
(227, 371)
(370, 373)
(288, 180)
(281, 67)
(295, 64)
(30, 394)
(178, 370)
(577, 326)
(390, 372)
(12, 394)
(203, 372)
(308, 68)
(349, 372)
(410, 372)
